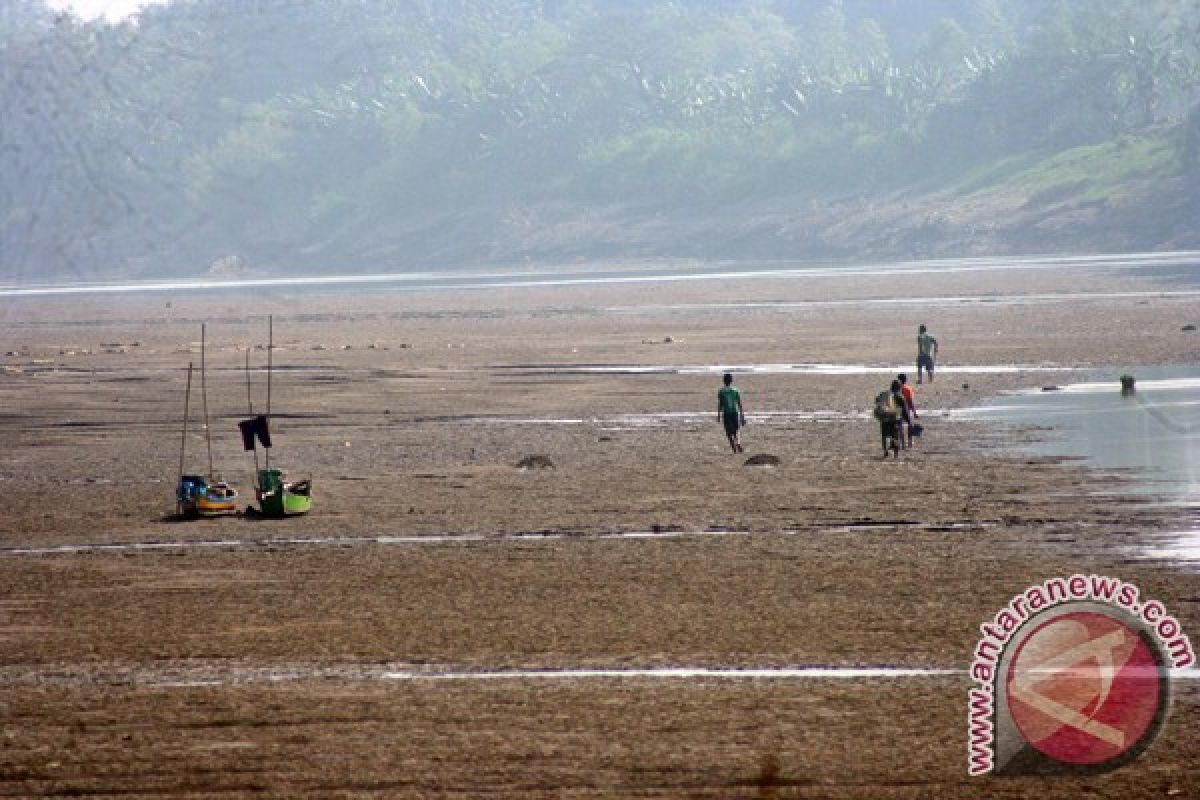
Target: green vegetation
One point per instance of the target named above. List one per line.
(390, 133)
(1101, 171)
(1089, 173)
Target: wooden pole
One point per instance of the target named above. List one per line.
(250, 408)
(270, 356)
(204, 398)
(249, 396)
(187, 401)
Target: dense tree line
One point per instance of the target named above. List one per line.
(322, 133)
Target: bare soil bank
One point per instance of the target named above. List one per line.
(915, 223)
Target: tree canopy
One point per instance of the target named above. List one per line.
(329, 134)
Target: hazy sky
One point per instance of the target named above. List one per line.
(112, 9)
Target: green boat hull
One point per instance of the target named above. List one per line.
(278, 498)
(285, 504)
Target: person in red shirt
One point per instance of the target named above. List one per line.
(910, 406)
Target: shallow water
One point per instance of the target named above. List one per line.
(743, 673)
(195, 674)
(765, 369)
(1176, 547)
(345, 541)
(1155, 432)
(433, 539)
(457, 280)
(674, 420)
(947, 301)
(192, 674)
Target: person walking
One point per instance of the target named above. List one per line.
(927, 348)
(888, 409)
(910, 407)
(730, 411)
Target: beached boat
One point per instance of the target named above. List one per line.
(217, 499)
(278, 497)
(195, 496)
(187, 493)
(199, 495)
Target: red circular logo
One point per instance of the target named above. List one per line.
(1085, 688)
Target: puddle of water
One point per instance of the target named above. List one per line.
(1176, 546)
(765, 369)
(194, 675)
(955, 301)
(677, 673)
(470, 538)
(354, 541)
(199, 674)
(1184, 390)
(120, 547)
(666, 419)
(190, 675)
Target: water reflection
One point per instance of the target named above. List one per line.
(1154, 430)
(1176, 546)
(765, 369)
(455, 280)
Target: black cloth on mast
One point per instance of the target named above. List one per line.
(252, 428)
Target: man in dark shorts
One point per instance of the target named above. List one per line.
(927, 348)
(889, 406)
(729, 411)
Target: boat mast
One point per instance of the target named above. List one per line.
(250, 407)
(204, 397)
(187, 401)
(270, 351)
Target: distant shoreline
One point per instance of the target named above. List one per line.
(1173, 262)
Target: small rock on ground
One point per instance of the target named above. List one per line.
(535, 462)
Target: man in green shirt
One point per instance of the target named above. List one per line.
(729, 411)
(927, 348)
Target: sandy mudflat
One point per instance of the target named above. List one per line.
(245, 657)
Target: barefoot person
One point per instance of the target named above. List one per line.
(888, 405)
(910, 407)
(729, 411)
(927, 348)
